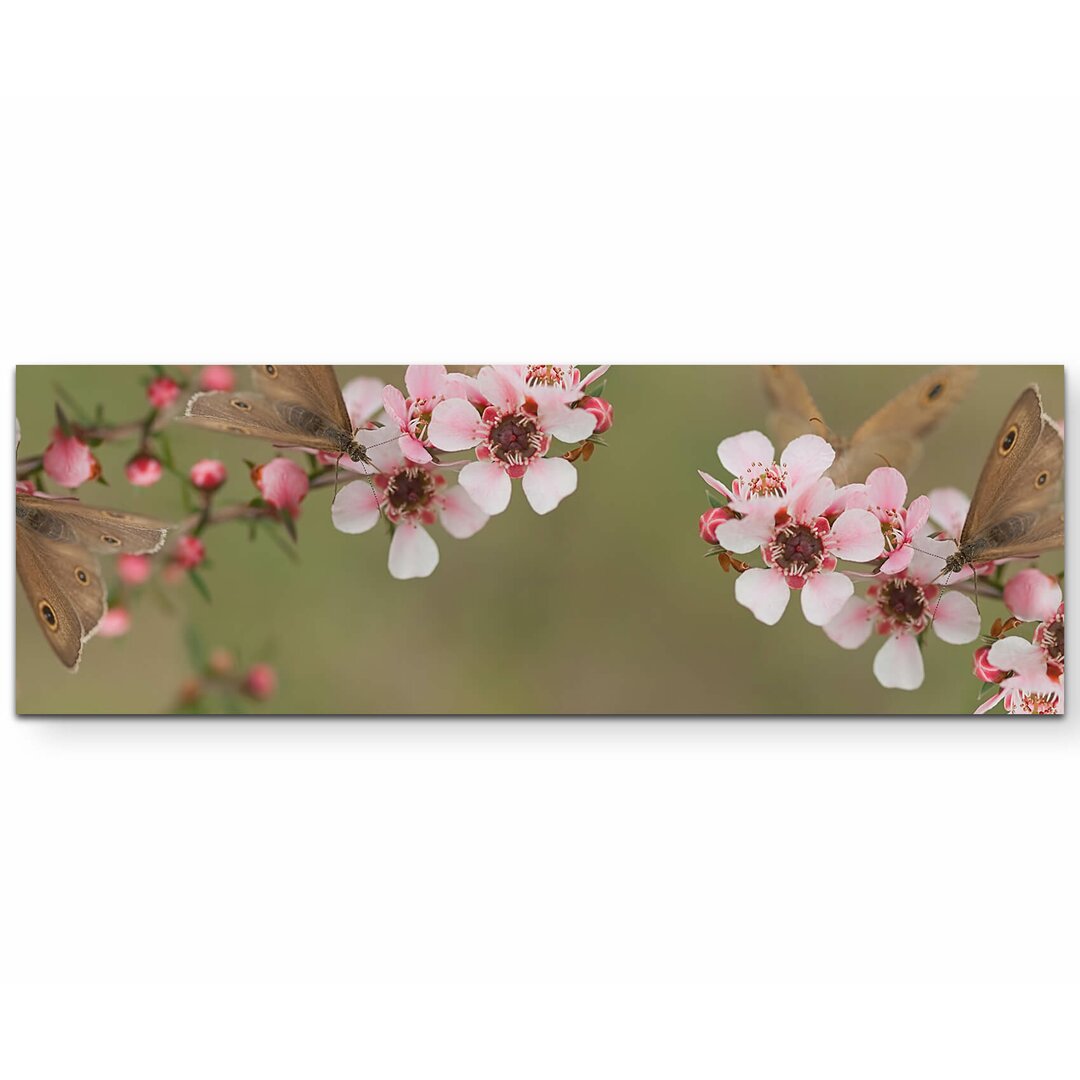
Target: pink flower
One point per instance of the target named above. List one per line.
(133, 569)
(512, 437)
(363, 398)
(208, 474)
(1032, 596)
(948, 510)
(260, 682)
(902, 607)
(886, 491)
(761, 485)
(802, 549)
(983, 669)
(162, 392)
(143, 470)
(1033, 685)
(708, 522)
(412, 496)
(602, 410)
(282, 483)
(217, 377)
(68, 461)
(428, 385)
(190, 552)
(116, 622)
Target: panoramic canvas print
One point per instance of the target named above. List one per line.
(539, 539)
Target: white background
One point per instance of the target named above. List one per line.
(746, 899)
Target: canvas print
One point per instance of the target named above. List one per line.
(540, 539)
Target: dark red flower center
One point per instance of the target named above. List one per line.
(514, 438)
(1053, 640)
(903, 601)
(410, 490)
(797, 549)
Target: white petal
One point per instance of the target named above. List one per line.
(745, 534)
(459, 515)
(806, 458)
(899, 664)
(356, 509)
(566, 424)
(548, 482)
(413, 553)
(764, 592)
(488, 486)
(739, 452)
(957, 619)
(824, 595)
(853, 625)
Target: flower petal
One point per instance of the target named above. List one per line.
(813, 499)
(898, 561)
(1032, 595)
(413, 553)
(928, 561)
(596, 373)
(806, 459)
(852, 625)
(503, 385)
(413, 449)
(548, 482)
(716, 485)
(363, 398)
(887, 488)
(824, 596)
(917, 514)
(356, 509)
(459, 515)
(488, 486)
(1016, 654)
(424, 380)
(857, 534)
(764, 592)
(394, 403)
(948, 510)
(739, 452)
(455, 425)
(957, 619)
(899, 663)
(745, 534)
(566, 424)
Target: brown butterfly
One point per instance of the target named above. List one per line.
(293, 405)
(892, 436)
(1018, 508)
(56, 544)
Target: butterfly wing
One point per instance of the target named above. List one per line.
(257, 416)
(1022, 476)
(893, 435)
(66, 591)
(63, 521)
(312, 386)
(793, 409)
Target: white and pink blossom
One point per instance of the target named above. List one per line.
(428, 385)
(886, 492)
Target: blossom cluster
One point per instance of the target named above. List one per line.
(803, 526)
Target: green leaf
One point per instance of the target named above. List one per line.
(200, 584)
(196, 649)
(714, 502)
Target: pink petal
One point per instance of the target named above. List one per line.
(813, 499)
(459, 515)
(948, 510)
(1032, 595)
(917, 514)
(898, 561)
(566, 424)
(455, 425)
(852, 625)
(928, 559)
(739, 452)
(824, 596)
(548, 482)
(363, 399)
(503, 386)
(488, 486)
(957, 619)
(806, 458)
(394, 403)
(899, 664)
(745, 534)
(858, 536)
(849, 497)
(356, 509)
(283, 484)
(1016, 654)
(413, 553)
(764, 592)
(413, 449)
(989, 703)
(715, 484)
(424, 380)
(596, 373)
(382, 445)
(887, 488)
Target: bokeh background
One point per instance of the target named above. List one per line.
(605, 606)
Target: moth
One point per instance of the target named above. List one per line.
(293, 405)
(57, 542)
(1018, 509)
(892, 436)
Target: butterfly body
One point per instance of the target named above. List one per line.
(56, 546)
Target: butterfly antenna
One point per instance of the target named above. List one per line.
(941, 594)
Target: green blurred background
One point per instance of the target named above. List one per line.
(604, 606)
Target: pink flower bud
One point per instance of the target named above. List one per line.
(982, 667)
(68, 461)
(1032, 595)
(601, 409)
(282, 483)
(143, 470)
(709, 520)
(133, 569)
(161, 393)
(208, 474)
(25, 487)
(261, 682)
(217, 377)
(116, 622)
(190, 552)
